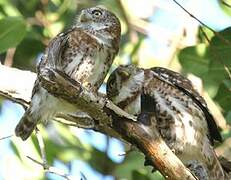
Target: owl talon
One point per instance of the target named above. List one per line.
(147, 162)
(144, 118)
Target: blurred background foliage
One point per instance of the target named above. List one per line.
(154, 33)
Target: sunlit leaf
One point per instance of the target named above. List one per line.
(13, 30)
(134, 161)
(226, 6)
(228, 117)
(137, 175)
(223, 96)
(194, 59)
(220, 55)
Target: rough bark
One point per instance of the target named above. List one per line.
(122, 125)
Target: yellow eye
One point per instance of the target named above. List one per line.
(97, 12)
(124, 75)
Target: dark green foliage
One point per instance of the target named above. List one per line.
(13, 30)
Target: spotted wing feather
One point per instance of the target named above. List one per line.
(185, 85)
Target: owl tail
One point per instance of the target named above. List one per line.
(25, 126)
(225, 163)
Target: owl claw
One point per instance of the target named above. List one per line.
(144, 118)
(148, 162)
(153, 170)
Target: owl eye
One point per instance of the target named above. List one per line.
(111, 84)
(97, 13)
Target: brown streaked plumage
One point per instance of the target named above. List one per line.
(182, 116)
(85, 53)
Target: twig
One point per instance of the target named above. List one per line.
(9, 57)
(204, 34)
(220, 60)
(226, 4)
(42, 148)
(194, 17)
(6, 137)
(65, 123)
(44, 163)
(50, 169)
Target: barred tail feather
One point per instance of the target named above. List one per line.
(218, 170)
(225, 163)
(25, 126)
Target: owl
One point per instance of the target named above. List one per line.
(85, 53)
(181, 114)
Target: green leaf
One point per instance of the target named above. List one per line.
(101, 162)
(27, 52)
(137, 175)
(15, 149)
(225, 5)
(220, 55)
(194, 59)
(223, 96)
(13, 30)
(134, 161)
(228, 118)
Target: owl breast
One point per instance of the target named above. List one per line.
(87, 60)
(180, 121)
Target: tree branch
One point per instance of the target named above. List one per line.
(151, 144)
(122, 125)
(16, 84)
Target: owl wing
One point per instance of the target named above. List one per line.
(177, 80)
(53, 55)
(54, 51)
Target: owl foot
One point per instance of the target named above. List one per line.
(144, 118)
(131, 149)
(148, 162)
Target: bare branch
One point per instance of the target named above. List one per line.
(123, 126)
(202, 23)
(16, 84)
(9, 57)
(151, 144)
(6, 137)
(42, 148)
(226, 3)
(44, 163)
(154, 148)
(50, 169)
(219, 59)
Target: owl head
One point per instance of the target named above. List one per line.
(124, 83)
(100, 22)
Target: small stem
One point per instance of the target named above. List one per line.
(41, 147)
(51, 169)
(202, 23)
(6, 137)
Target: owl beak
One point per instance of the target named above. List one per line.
(83, 16)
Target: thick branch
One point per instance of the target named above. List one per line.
(151, 144)
(17, 86)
